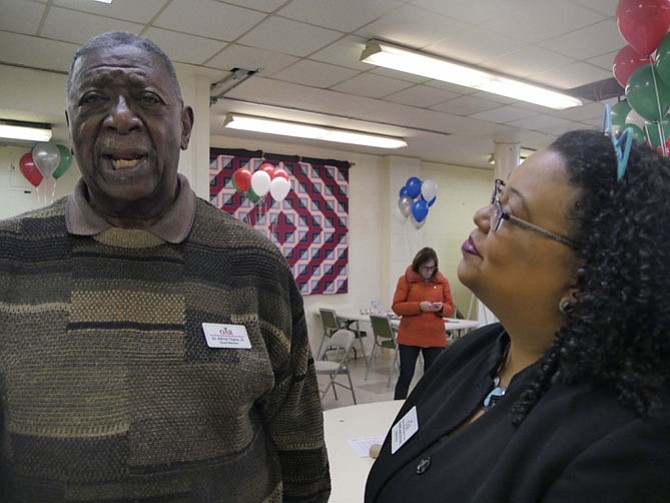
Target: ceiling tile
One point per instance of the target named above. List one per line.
(528, 62)
(20, 16)
(540, 122)
(466, 105)
(207, 18)
(573, 75)
(344, 52)
(184, 48)
(606, 7)
(239, 56)
(59, 22)
(264, 5)
(475, 45)
(313, 73)
(28, 51)
(343, 15)
(292, 37)
(130, 10)
(375, 86)
(503, 114)
(421, 96)
(592, 41)
(412, 27)
(605, 61)
(470, 11)
(544, 19)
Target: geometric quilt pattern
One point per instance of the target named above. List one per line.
(310, 226)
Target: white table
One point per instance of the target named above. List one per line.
(348, 471)
(450, 324)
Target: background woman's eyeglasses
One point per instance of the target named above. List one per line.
(499, 215)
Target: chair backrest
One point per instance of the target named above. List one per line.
(329, 320)
(342, 340)
(381, 327)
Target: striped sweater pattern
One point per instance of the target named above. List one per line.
(109, 390)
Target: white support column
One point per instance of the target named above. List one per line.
(507, 154)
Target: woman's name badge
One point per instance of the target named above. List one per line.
(404, 430)
(226, 336)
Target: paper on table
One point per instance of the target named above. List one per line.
(361, 446)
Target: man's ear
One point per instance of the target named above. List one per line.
(186, 126)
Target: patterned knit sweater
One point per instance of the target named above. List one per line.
(109, 391)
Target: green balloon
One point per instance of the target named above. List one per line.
(663, 59)
(656, 131)
(642, 94)
(619, 113)
(65, 162)
(253, 197)
(638, 134)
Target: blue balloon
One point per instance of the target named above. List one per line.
(420, 210)
(413, 186)
(403, 191)
(432, 201)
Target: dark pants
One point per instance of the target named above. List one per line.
(408, 356)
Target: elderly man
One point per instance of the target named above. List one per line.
(153, 348)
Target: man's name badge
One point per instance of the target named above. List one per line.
(226, 336)
(404, 430)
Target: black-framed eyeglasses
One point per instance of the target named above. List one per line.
(499, 215)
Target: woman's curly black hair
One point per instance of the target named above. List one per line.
(617, 336)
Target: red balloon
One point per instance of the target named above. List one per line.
(242, 179)
(29, 169)
(626, 61)
(280, 173)
(643, 23)
(268, 168)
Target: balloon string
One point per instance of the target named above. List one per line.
(661, 113)
(53, 190)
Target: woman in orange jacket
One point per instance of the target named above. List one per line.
(422, 298)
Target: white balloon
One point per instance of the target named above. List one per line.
(260, 182)
(399, 215)
(47, 157)
(428, 190)
(279, 188)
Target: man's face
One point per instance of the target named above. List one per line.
(127, 126)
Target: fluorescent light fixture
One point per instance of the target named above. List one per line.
(27, 131)
(410, 61)
(310, 131)
(103, 1)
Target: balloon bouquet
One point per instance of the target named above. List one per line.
(267, 178)
(45, 161)
(416, 197)
(643, 68)
(256, 186)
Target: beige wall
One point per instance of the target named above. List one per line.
(379, 246)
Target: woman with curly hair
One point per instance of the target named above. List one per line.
(567, 398)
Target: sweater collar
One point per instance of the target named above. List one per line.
(82, 220)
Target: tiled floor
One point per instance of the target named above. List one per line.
(375, 388)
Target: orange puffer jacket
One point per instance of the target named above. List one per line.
(417, 327)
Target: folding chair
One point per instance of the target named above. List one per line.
(331, 323)
(341, 340)
(384, 335)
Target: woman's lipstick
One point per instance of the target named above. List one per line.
(469, 247)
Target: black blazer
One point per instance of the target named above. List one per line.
(577, 445)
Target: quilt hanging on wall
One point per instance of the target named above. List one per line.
(309, 225)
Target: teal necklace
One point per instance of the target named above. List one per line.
(498, 391)
(494, 395)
